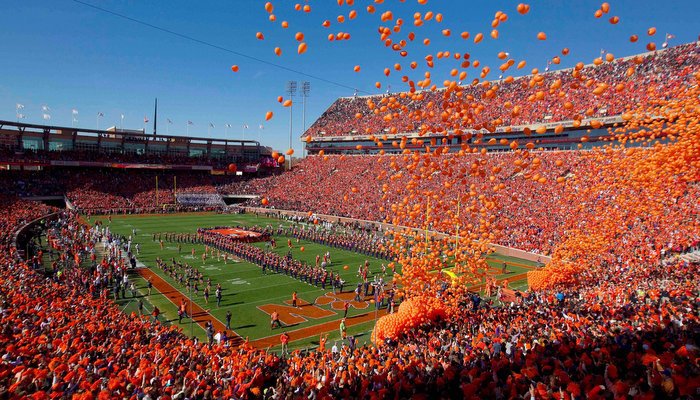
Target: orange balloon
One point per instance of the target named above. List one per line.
(287, 103)
(302, 48)
(299, 36)
(280, 160)
(278, 51)
(290, 152)
(260, 36)
(357, 68)
(234, 68)
(523, 8)
(542, 36)
(345, 267)
(301, 248)
(264, 201)
(268, 115)
(269, 7)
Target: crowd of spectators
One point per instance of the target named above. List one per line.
(633, 334)
(662, 71)
(530, 215)
(100, 190)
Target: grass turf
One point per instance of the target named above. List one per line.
(244, 286)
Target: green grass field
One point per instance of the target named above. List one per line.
(244, 286)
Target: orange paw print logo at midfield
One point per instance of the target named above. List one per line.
(337, 301)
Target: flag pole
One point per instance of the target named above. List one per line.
(156, 190)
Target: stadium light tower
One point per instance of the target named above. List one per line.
(305, 90)
(291, 91)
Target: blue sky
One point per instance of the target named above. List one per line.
(69, 56)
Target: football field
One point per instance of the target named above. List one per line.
(249, 294)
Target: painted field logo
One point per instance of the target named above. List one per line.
(295, 315)
(337, 301)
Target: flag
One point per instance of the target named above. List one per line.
(122, 116)
(670, 36)
(46, 116)
(45, 108)
(145, 119)
(211, 125)
(169, 121)
(228, 125)
(75, 112)
(20, 106)
(190, 123)
(245, 126)
(100, 114)
(261, 126)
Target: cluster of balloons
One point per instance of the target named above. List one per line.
(425, 257)
(411, 314)
(634, 188)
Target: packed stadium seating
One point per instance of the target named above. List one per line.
(63, 337)
(532, 215)
(661, 71)
(94, 189)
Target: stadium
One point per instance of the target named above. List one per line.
(534, 235)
